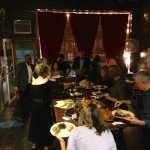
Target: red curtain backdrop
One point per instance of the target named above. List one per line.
(51, 31)
(84, 28)
(114, 34)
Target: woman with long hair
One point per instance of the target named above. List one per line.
(91, 133)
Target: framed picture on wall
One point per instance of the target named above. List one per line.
(22, 26)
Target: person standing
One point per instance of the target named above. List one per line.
(63, 65)
(23, 79)
(41, 114)
(81, 66)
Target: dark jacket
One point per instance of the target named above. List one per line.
(21, 77)
(86, 64)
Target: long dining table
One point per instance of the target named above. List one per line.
(111, 122)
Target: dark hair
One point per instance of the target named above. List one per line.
(61, 56)
(97, 58)
(93, 65)
(55, 62)
(114, 71)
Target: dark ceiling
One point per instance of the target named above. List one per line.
(71, 4)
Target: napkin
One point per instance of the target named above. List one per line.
(117, 123)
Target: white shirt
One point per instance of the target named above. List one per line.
(29, 69)
(83, 138)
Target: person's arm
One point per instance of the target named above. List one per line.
(134, 120)
(62, 142)
(107, 97)
(68, 85)
(118, 103)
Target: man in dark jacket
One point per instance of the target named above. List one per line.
(81, 66)
(23, 79)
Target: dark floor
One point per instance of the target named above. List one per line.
(13, 138)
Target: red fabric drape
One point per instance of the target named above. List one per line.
(51, 31)
(84, 28)
(114, 34)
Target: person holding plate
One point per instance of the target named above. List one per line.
(142, 82)
(41, 113)
(91, 133)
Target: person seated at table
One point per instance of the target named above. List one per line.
(94, 75)
(142, 82)
(63, 65)
(41, 113)
(120, 89)
(97, 59)
(91, 133)
(106, 79)
(81, 66)
(55, 70)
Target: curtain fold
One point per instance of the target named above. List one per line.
(84, 28)
(114, 34)
(51, 31)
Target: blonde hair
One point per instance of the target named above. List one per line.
(90, 116)
(41, 69)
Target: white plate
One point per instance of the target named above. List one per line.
(65, 104)
(63, 132)
(99, 87)
(123, 112)
(57, 77)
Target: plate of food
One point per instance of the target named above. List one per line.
(65, 104)
(120, 113)
(62, 129)
(86, 84)
(99, 87)
(57, 77)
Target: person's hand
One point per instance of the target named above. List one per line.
(16, 90)
(134, 120)
(52, 79)
(106, 96)
(59, 138)
(117, 104)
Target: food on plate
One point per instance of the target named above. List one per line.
(86, 84)
(56, 129)
(120, 113)
(106, 114)
(62, 126)
(63, 129)
(69, 128)
(57, 76)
